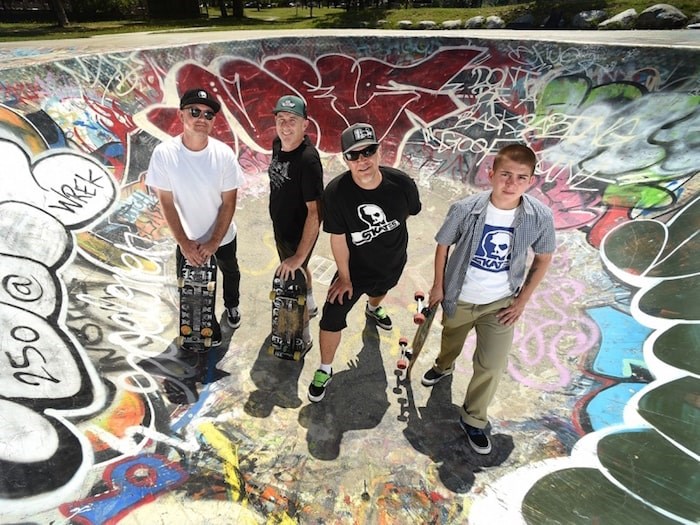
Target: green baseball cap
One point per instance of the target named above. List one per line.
(291, 104)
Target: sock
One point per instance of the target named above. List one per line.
(326, 368)
(310, 303)
(371, 308)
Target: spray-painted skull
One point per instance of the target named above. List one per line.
(371, 214)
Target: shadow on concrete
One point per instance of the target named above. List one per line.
(276, 381)
(435, 432)
(180, 370)
(355, 399)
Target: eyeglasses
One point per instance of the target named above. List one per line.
(196, 112)
(366, 153)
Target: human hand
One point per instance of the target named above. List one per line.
(512, 313)
(287, 268)
(338, 289)
(191, 251)
(436, 295)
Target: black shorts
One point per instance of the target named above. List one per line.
(334, 317)
(286, 249)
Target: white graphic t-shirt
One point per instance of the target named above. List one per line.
(487, 273)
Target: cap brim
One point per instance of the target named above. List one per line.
(361, 145)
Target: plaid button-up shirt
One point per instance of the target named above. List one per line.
(533, 227)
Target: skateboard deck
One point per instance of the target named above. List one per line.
(424, 319)
(197, 285)
(288, 304)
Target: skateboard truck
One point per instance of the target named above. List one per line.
(422, 309)
(405, 358)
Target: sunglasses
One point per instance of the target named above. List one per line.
(196, 112)
(366, 153)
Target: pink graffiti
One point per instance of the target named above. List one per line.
(555, 331)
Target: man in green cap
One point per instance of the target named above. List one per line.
(296, 185)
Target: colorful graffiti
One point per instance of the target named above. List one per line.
(107, 421)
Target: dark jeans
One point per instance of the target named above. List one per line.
(228, 264)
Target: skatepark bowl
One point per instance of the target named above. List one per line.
(597, 419)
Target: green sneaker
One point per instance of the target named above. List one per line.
(317, 388)
(381, 318)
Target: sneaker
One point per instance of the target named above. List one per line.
(478, 440)
(432, 376)
(313, 312)
(317, 388)
(380, 317)
(233, 317)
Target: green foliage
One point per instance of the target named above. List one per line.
(92, 9)
(323, 17)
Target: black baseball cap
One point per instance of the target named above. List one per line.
(199, 96)
(356, 136)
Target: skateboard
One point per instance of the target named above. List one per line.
(424, 319)
(288, 304)
(197, 285)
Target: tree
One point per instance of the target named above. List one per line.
(59, 9)
(173, 9)
(222, 7)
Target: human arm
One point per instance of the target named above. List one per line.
(437, 292)
(189, 248)
(342, 285)
(536, 273)
(221, 225)
(309, 235)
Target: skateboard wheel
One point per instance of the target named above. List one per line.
(419, 296)
(270, 349)
(211, 286)
(402, 364)
(272, 295)
(180, 282)
(207, 342)
(419, 319)
(207, 332)
(185, 329)
(297, 355)
(180, 340)
(301, 300)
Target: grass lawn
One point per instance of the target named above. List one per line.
(325, 18)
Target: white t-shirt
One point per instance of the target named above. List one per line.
(487, 274)
(197, 180)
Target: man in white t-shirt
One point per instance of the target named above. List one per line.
(484, 284)
(196, 178)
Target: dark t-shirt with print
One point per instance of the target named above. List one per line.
(374, 224)
(296, 177)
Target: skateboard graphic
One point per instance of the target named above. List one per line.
(424, 319)
(288, 304)
(197, 285)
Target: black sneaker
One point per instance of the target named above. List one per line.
(432, 376)
(317, 388)
(233, 317)
(478, 440)
(381, 318)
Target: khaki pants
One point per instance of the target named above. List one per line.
(493, 344)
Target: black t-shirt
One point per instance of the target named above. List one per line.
(374, 224)
(296, 177)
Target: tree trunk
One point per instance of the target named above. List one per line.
(237, 8)
(222, 7)
(60, 11)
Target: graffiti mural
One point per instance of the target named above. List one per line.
(108, 421)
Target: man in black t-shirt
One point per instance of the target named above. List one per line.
(365, 212)
(296, 185)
